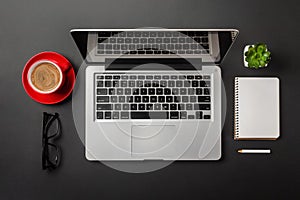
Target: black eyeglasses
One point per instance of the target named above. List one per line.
(51, 130)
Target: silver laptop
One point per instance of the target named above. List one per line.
(153, 94)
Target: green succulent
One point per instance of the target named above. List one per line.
(258, 56)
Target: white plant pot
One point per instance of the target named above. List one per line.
(245, 62)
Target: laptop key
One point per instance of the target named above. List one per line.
(129, 99)
(145, 99)
(99, 115)
(126, 106)
(181, 106)
(149, 77)
(183, 115)
(161, 99)
(165, 106)
(206, 91)
(143, 91)
(189, 106)
(115, 115)
(195, 84)
(127, 91)
(159, 91)
(115, 83)
(137, 99)
(139, 83)
(179, 84)
(203, 98)
(101, 99)
(169, 98)
(173, 106)
(206, 117)
(112, 40)
(163, 83)
(102, 91)
(193, 99)
(157, 107)
(108, 84)
(100, 84)
(117, 106)
(116, 47)
(150, 115)
(155, 83)
(191, 116)
(108, 46)
(124, 115)
(131, 83)
(177, 99)
(199, 114)
(174, 115)
(186, 83)
(201, 106)
(183, 91)
(151, 91)
(135, 91)
(111, 91)
(191, 91)
(185, 99)
(149, 106)
(120, 91)
(198, 91)
(153, 99)
(142, 107)
(204, 83)
(147, 84)
(114, 99)
(171, 83)
(124, 84)
(133, 107)
(107, 115)
(175, 91)
(167, 91)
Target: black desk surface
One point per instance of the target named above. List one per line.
(29, 27)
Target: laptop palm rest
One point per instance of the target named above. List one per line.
(151, 141)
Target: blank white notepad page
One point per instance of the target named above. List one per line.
(257, 108)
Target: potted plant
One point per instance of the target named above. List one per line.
(256, 56)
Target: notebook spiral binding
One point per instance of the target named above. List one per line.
(236, 109)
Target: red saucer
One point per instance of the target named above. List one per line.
(60, 94)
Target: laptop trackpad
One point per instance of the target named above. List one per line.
(149, 140)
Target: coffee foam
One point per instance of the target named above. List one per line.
(45, 77)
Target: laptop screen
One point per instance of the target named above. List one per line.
(209, 46)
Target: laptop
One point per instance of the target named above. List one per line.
(152, 93)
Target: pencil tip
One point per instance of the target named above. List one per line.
(240, 151)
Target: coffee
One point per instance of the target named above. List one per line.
(45, 77)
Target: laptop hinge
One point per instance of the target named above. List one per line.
(153, 64)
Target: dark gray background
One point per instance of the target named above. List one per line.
(29, 27)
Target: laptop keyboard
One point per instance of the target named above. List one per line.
(152, 96)
(153, 43)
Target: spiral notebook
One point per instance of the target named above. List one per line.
(256, 114)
